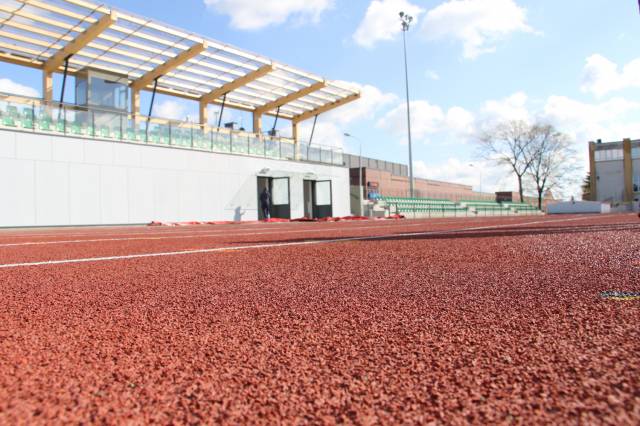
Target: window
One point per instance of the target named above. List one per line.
(636, 183)
(609, 155)
(635, 152)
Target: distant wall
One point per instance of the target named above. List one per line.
(578, 207)
(398, 186)
(53, 180)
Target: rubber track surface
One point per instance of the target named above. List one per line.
(451, 321)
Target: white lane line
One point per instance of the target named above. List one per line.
(150, 231)
(216, 234)
(273, 245)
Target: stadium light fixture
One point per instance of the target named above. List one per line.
(349, 135)
(480, 172)
(406, 20)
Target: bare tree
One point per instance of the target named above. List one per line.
(552, 160)
(509, 143)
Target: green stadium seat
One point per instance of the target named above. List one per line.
(9, 121)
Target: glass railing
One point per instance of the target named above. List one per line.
(30, 114)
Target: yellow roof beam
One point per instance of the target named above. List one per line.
(80, 42)
(328, 107)
(290, 97)
(168, 66)
(239, 82)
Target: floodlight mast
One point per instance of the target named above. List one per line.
(406, 20)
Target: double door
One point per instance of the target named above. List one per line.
(280, 197)
(318, 201)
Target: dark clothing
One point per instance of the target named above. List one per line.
(265, 204)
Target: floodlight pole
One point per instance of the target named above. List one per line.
(406, 22)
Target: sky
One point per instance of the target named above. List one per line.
(472, 63)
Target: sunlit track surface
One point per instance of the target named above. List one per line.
(486, 321)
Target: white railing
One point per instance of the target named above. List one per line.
(36, 115)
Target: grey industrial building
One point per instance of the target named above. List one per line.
(615, 172)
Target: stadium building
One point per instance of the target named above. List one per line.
(100, 160)
(615, 173)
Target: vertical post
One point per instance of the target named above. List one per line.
(294, 136)
(294, 132)
(593, 194)
(628, 171)
(360, 179)
(153, 99)
(135, 106)
(47, 86)
(257, 123)
(224, 101)
(204, 116)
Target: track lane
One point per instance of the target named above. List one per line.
(199, 242)
(409, 330)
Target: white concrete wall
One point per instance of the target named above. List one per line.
(52, 180)
(610, 175)
(578, 207)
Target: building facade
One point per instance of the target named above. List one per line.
(392, 180)
(615, 172)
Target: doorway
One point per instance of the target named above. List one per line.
(318, 202)
(280, 197)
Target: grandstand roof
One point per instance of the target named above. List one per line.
(44, 33)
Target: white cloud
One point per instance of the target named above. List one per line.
(370, 102)
(478, 174)
(257, 14)
(427, 119)
(601, 76)
(381, 21)
(432, 75)
(327, 133)
(477, 24)
(330, 127)
(171, 109)
(460, 120)
(10, 86)
(614, 119)
(512, 107)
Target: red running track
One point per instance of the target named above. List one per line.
(451, 321)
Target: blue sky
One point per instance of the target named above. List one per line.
(572, 63)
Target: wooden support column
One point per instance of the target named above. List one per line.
(628, 171)
(135, 104)
(47, 86)
(294, 132)
(257, 123)
(204, 114)
(593, 190)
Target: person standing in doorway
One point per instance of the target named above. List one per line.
(265, 203)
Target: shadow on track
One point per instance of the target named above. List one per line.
(461, 233)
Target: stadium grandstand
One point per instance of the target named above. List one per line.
(99, 160)
(385, 191)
